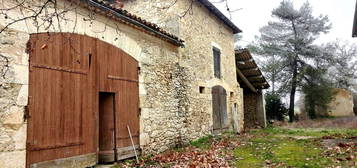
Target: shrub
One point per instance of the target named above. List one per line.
(275, 108)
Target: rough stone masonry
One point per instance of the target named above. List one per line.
(173, 110)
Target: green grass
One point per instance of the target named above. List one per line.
(115, 166)
(202, 143)
(307, 132)
(299, 153)
(248, 157)
(277, 146)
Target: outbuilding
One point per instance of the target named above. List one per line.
(253, 83)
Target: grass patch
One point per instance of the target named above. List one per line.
(247, 157)
(306, 132)
(115, 166)
(202, 143)
(298, 153)
(276, 146)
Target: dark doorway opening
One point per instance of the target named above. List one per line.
(107, 133)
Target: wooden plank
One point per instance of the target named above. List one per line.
(67, 71)
(60, 69)
(219, 103)
(223, 106)
(32, 148)
(216, 108)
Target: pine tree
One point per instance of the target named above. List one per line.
(290, 37)
(317, 90)
(342, 68)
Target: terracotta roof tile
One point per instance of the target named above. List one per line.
(132, 20)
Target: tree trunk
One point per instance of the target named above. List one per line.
(273, 76)
(273, 83)
(294, 80)
(312, 112)
(292, 92)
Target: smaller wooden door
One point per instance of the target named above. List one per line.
(106, 127)
(219, 105)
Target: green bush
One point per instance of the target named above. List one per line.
(275, 108)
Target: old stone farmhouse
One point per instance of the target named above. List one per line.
(84, 81)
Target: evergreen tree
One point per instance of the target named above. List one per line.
(342, 68)
(275, 109)
(317, 90)
(290, 38)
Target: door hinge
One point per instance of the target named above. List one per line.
(28, 47)
(139, 70)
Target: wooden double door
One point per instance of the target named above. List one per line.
(83, 95)
(219, 108)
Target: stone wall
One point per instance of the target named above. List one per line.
(161, 80)
(250, 110)
(201, 30)
(254, 110)
(13, 98)
(173, 111)
(341, 105)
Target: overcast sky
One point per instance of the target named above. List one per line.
(256, 13)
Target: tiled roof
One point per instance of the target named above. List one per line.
(132, 20)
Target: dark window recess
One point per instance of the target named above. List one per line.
(202, 89)
(217, 62)
(232, 94)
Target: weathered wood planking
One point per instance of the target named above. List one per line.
(219, 108)
(67, 72)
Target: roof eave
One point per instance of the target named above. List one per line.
(242, 51)
(134, 22)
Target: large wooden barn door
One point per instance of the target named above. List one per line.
(67, 73)
(219, 105)
(61, 122)
(118, 74)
